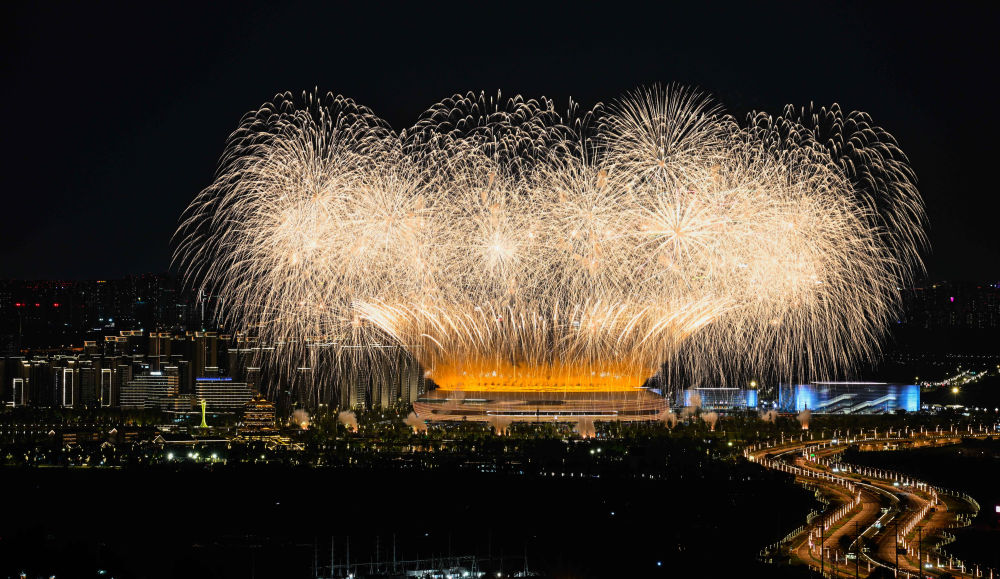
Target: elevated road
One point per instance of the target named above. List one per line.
(872, 517)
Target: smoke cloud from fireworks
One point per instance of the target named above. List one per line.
(415, 422)
(505, 245)
(348, 419)
(769, 416)
(301, 419)
(669, 418)
(710, 418)
(585, 427)
(500, 424)
(694, 405)
(804, 417)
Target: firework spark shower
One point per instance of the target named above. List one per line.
(507, 245)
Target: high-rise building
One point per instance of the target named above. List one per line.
(38, 377)
(222, 394)
(18, 392)
(108, 391)
(160, 346)
(370, 382)
(86, 387)
(412, 382)
(149, 391)
(204, 351)
(123, 375)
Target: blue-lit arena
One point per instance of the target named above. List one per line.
(849, 397)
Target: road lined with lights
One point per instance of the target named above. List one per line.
(892, 517)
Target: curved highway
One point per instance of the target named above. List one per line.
(872, 517)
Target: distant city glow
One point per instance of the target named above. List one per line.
(509, 247)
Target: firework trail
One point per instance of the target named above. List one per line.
(507, 246)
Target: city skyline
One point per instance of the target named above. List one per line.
(364, 291)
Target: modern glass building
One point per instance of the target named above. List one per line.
(849, 397)
(718, 399)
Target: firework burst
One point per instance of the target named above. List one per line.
(507, 246)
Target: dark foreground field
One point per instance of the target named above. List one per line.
(276, 521)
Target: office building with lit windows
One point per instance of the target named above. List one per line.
(149, 391)
(221, 393)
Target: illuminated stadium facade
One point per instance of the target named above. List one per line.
(526, 406)
(849, 397)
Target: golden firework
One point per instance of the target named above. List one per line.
(508, 247)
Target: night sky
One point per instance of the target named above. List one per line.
(115, 117)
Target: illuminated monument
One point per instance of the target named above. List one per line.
(540, 265)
